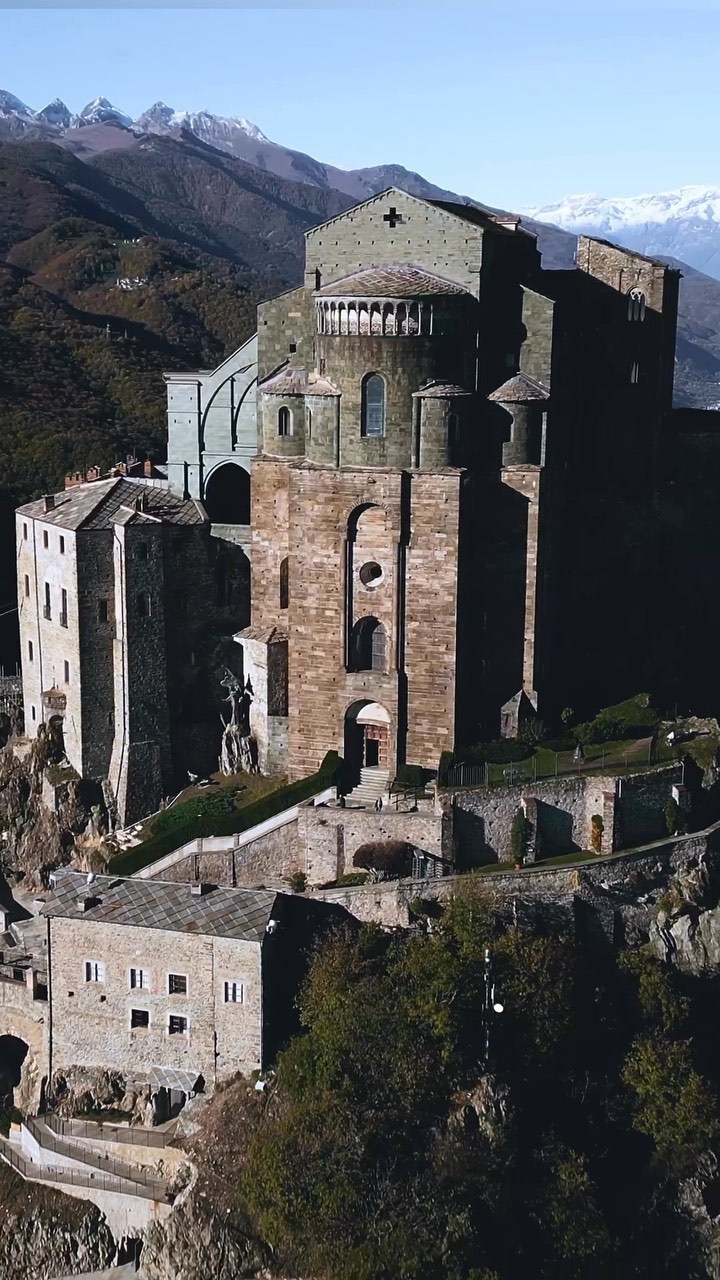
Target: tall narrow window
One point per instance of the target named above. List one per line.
(46, 539)
(284, 421)
(63, 608)
(66, 666)
(378, 649)
(62, 545)
(373, 406)
(47, 611)
(102, 610)
(144, 608)
(27, 585)
(25, 532)
(30, 650)
(284, 592)
(636, 305)
(453, 423)
(308, 424)
(634, 373)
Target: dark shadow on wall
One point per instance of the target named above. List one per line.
(555, 831)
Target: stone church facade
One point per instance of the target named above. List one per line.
(430, 404)
(412, 453)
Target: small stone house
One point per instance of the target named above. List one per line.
(176, 986)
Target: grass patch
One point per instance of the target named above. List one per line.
(222, 813)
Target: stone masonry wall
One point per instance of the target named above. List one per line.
(483, 817)
(91, 1020)
(329, 838)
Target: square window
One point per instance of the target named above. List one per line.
(140, 978)
(62, 545)
(46, 540)
(139, 1018)
(94, 971)
(234, 993)
(177, 1025)
(177, 984)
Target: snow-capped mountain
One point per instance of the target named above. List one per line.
(100, 111)
(163, 119)
(681, 224)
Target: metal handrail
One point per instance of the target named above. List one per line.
(46, 1139)
(71, 1177)
(137, 1135)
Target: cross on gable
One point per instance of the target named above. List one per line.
(393, 217)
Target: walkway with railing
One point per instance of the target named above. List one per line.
(637, 756)
(94, 1169)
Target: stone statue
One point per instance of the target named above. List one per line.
(237, 754)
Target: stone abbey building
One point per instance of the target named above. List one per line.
(429, 453)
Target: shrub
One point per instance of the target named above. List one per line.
(297, 882)
(501, 751)
(519, 836)
(447, 760)
(567, 715)
(672, 816)
(388, 857)
(413, 776)
(425, 908)
(597, 827)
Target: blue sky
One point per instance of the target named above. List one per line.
(514, 104)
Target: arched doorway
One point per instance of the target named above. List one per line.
(227, 495)
(367, 737)
(13, 1055)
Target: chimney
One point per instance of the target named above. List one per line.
(147, 467)
(49, 501)
(199, 889)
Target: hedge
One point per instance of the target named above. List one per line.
(218, 815)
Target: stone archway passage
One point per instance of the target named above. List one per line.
(367, 737)
(227, 495)
(13, 1057)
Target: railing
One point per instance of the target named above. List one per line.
(72, 1177)
(559, 765)
(109, 1165)
(135, 1135)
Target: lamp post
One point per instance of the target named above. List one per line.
(491, 1006)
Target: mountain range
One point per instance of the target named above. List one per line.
(682, 224)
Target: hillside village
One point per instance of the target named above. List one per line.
(317, 671)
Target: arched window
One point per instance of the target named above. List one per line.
(636, 305)
(284, 591)
(368, 646)
(284, 421)
(373, 406)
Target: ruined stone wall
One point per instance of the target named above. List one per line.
(329, 838)
(91, 1020)
(24, 1016)
(483, 817)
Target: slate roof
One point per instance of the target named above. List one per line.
(98, 504)
(298, 382)
(520, 389)
(267, 635)
(155, 904)
(441, 391)
(401, 280)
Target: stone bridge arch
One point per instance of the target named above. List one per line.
(25, 1069)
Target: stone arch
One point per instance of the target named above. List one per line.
(368, 645)
(227, 494)
(23, 1057)
(367, 728)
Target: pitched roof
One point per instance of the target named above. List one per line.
(397, 280)
(440, 391)
(267, 635)
(100, 503)
(155, 904)
(519, 389)
(297, 382)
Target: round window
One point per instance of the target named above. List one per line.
(371, 574)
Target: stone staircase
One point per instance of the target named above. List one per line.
(374, 782)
